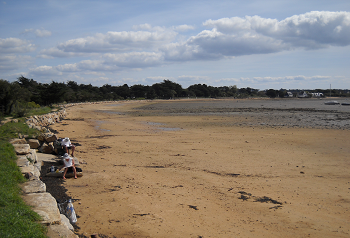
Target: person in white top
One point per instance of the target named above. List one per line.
(66, 144)
(68, 162)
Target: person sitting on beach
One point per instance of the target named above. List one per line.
(66, 144)
(68, 162)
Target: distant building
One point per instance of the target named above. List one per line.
(302, 95)
(288, 95)
(317, 95)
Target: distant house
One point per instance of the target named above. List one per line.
(302, 95)
(288, 95)
(317, 95)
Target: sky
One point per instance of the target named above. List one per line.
(261, 44)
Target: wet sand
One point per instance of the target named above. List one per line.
(203, 169)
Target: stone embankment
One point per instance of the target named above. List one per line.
(34, 190)
(42, 121)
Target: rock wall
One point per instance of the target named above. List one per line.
(40, 122)
(35, 195)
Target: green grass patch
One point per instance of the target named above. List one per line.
(16, 218)
(39, 111)
(10, 130)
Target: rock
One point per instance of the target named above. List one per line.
(58, 231)
(29, 176)
(49, 137)
(36, 172)
(45, 205)
(34, 186)
(21, 149)
(18, 141)
(32, 156)
(22, 161)
(28, 170)
(65, 221)
(46, 148)
(34, 143)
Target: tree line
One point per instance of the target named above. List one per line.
(29, 93)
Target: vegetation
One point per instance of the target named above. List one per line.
(16, 218)
(24, 95)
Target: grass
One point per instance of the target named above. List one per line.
(16, 218)
(11, 130)
(39, 111)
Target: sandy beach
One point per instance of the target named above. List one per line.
(211, 168)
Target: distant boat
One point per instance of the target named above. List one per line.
(332, 103)
(346, 104)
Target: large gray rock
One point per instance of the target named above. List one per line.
(34, 186)
(45, 205)
(21, 149)
(34, 143)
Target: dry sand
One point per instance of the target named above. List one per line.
(152, 173)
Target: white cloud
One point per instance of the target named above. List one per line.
(12, 62)
(38, 32)
(183, 28)
(44, 70)
(135, 59)
(310, 30)
(111, 42)
(15, 45)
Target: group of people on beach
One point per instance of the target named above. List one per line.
(68, 161)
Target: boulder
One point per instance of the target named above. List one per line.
(65, 221)
(21, 149)
(29, 172)
(50, 137)
(32, 156)
(33, 186)
(46, 148)
(18, 141)
(22, 161)
(58, 231)
(36, 172)
(45, 205)
(34, 143)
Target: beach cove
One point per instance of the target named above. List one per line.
(210, 168)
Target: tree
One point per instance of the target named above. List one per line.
(271, 93)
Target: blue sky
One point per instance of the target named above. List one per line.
(261, 44)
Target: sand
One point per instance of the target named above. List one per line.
(178, 169)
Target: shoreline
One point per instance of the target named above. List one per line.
(206, 179)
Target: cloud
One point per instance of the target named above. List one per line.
(150, 46)
(15, 45)
(38, 32)
(311, 30)
(124, 41)
(135, 59)
(12, 62)
(183, 28)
